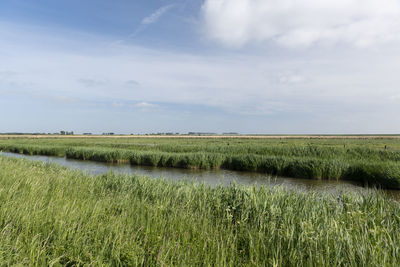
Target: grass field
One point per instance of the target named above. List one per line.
(371, 160)
(53, 216)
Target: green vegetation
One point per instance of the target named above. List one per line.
(50, 215)
(370, 161)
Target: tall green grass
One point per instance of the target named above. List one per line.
(45, 150)
(351, 149)
(384, 173)
(367, 161)
(53, 216)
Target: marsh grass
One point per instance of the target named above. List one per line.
(53, 216)
(383, 173)
(367, 161)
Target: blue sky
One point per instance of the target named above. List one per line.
(248, 66)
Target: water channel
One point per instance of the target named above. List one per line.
(208, 177)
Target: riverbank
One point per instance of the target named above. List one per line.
(373, 162)
(49, 215)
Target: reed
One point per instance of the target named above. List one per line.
(367, 161)
(50, 215)
(385, 173)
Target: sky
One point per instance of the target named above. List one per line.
(246, 66)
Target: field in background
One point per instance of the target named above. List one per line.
(53, 216)
(178, 136)
(370, 159)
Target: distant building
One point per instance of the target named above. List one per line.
(201, 134)
(66, 133)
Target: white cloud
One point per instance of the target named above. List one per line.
(145, 105)
(289, 78)
(154, 17)
(302, 23)
(296, 88)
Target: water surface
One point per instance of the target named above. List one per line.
(209, 177)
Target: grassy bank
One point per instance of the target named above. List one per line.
(50, 215)
(374, 162)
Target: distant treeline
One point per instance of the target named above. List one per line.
(59, 133)
(28, 133)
